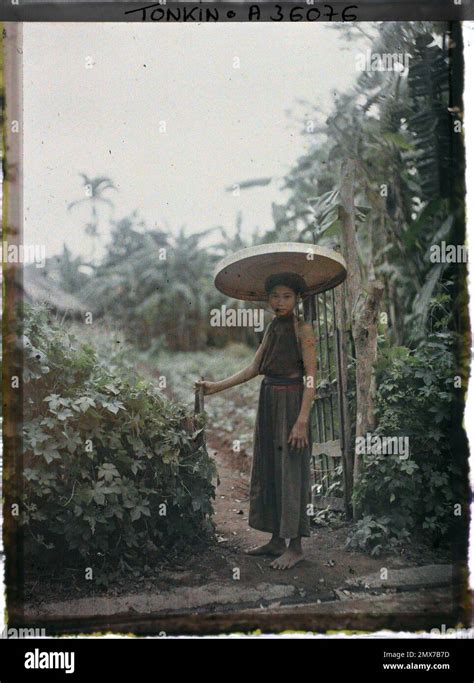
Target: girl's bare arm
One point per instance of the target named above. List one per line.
(308, 350)
(300, 430)
(239, 377)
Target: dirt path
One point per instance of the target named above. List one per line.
(327, 565)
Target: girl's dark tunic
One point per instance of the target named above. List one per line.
(280, 483)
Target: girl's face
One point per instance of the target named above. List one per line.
(282, 299)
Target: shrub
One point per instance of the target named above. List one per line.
(399, 496)
(112, 469)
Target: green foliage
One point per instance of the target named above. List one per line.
(112, 469)
(399, 496)
(158, 288)
(398, 126)
(430, 120)
(376, 534)
(67, 270)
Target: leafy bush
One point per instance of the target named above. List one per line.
(112, 469)
(376, 534)
(399, 496)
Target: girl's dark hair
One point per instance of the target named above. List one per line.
(292, 280)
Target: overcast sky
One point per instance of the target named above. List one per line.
(223, 124)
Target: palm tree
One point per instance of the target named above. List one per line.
(95, 188)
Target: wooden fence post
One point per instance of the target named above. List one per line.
(363, 307)
(199, 408)
(342, 332)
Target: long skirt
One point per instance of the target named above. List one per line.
(280, 482)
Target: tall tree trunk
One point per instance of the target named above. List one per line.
(363, 306)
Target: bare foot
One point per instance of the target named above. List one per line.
(271, 548)
(289, 558)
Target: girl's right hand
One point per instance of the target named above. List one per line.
(209, 387)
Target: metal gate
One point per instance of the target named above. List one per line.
(330, 427)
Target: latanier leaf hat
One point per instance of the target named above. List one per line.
(242, 275)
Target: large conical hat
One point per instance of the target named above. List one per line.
(242, 275)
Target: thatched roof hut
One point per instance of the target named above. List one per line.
(39, 287)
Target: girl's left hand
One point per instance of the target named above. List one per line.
(299, 435)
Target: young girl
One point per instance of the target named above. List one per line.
(280, 483)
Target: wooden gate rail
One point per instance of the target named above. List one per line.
(330, 419)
